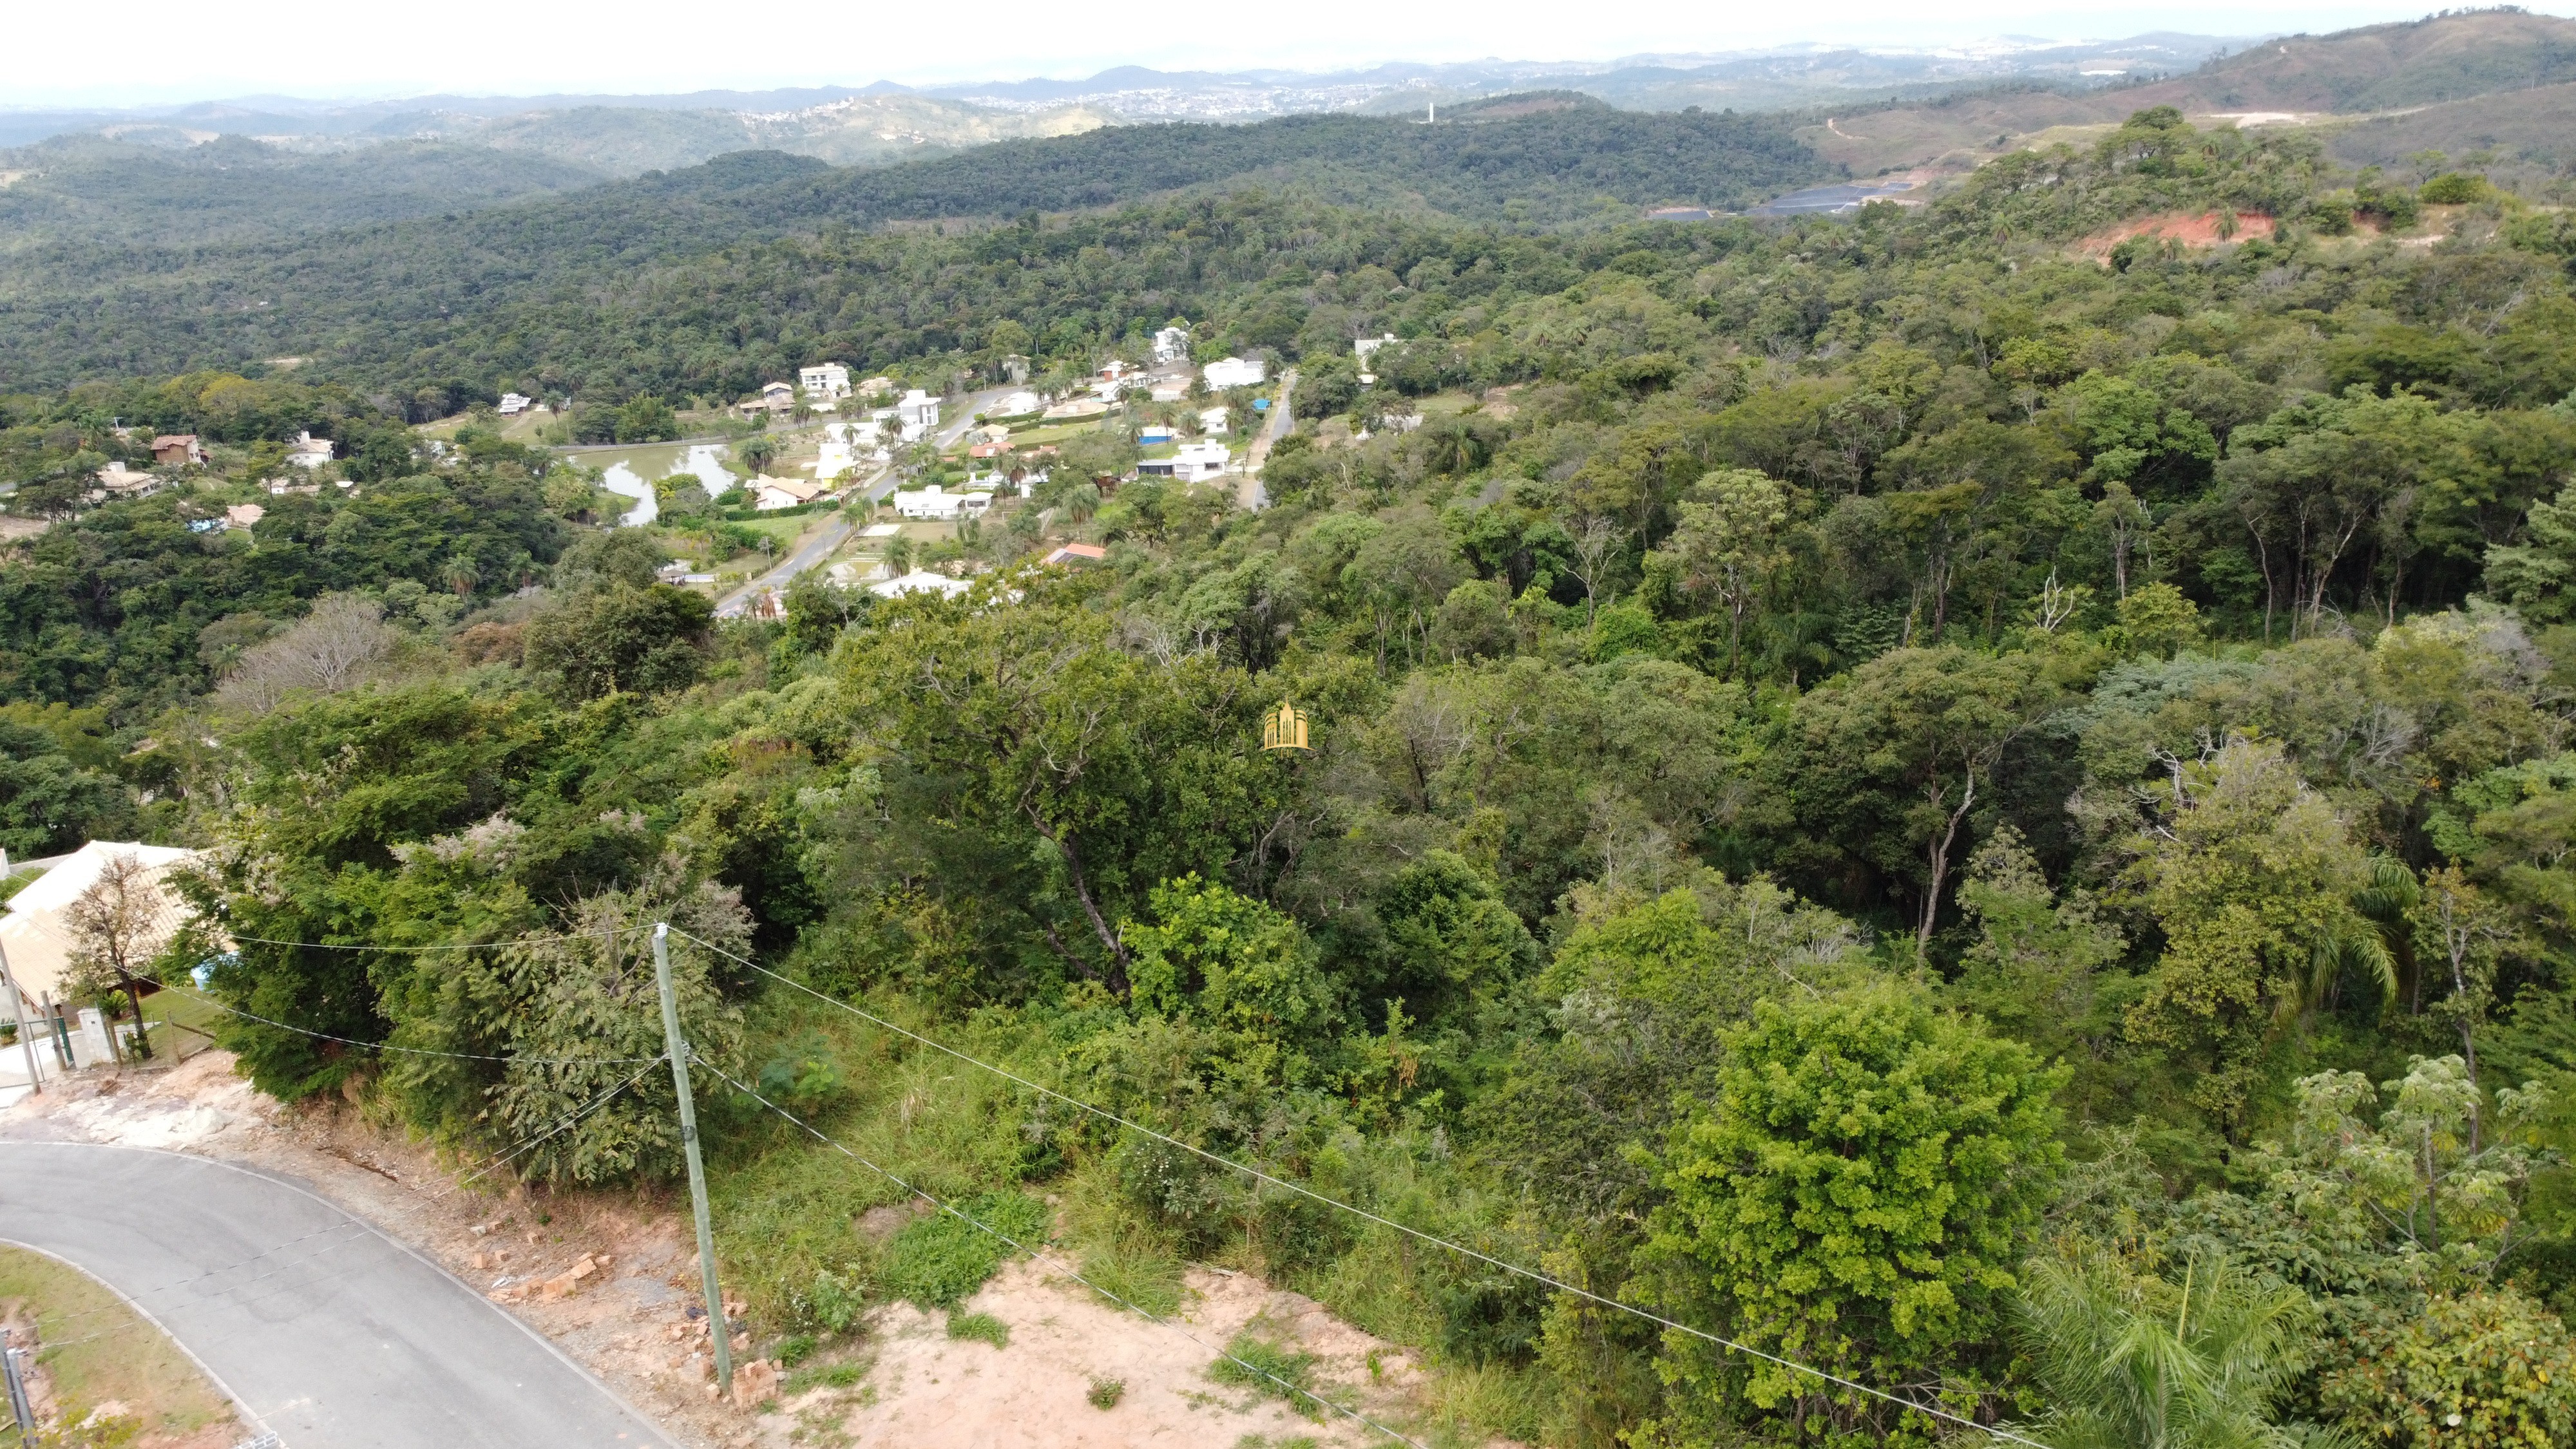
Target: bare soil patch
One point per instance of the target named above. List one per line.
(611, 1278)
(2188, 229)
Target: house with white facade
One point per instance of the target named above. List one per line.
(1234, 372)
(513, 404)
(919, 581)
(935, 502)
(917, 409)
(122, 481)
(1368, 345)
(1215, 422)
(768, 493)
(1172, 344)
(308, 451)
(36, 935)
(825, 381)
(1194, 463)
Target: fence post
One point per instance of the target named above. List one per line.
(20, 1410)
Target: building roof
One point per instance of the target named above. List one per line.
(174, 440)
(243, 515)
(35, 934)
(801, 492)
(919, 581)
(1078, 553)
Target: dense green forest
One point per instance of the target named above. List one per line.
(89, 191)
(1980, 810)
(382, 305)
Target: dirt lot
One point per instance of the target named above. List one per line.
(610, 1277)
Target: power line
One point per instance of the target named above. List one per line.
(1294, 1392)
(368, 946)
(1532, 1275)
(593, 1105)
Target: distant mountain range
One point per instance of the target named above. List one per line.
(626, 134)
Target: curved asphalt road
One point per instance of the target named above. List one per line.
(332, 1335)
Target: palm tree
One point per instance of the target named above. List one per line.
(2132, 1362)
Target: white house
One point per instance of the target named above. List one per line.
(118, 479)
(767, 493)
(936, 502)
(917, 409)
(919, 581)
(824, 381)
(308, 451)
(1367, 345)
(1172, 344)
(1195, 462)
(835, 460)
(1169, 389)
(36, 937)
(1234, 372)
(1214, 422)
(512, 404)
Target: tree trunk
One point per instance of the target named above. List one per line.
(1940, 854)
(1117, 978)
(142, 1039)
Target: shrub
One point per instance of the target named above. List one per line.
(1105, 1393)
(1263, 1366)
(937, 1261)
(2454, 188)
(2484, 1370)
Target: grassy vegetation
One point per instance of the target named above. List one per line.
(99, 1350)
(1255, 1363)
(981, 1328)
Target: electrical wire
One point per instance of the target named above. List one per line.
(368, 946)
(1532, 1275)
(1294, 1392)
(593, 1105)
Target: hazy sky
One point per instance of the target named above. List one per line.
(165, 50)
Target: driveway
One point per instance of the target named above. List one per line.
(809, 553)
(330, 1334)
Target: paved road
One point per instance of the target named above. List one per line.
(332, 1335)
(958, 417)
(1249, 493)
(809, 553)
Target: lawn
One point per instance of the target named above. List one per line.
(97, 1349)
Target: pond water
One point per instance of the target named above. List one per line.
(621, 480)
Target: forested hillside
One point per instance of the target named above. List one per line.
(1975, 799)
(85, 193)
(374, 304)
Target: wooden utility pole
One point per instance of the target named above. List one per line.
(719, 1332)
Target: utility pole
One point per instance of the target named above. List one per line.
(718, 1330)
(18, 1009)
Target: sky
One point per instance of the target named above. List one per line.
(329, 48)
